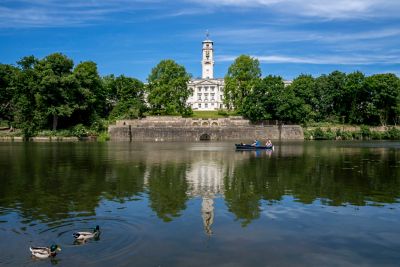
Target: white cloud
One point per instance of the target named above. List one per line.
(45, 13)
(330, 9)
(321, 60)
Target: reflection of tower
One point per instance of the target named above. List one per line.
(206, 180)
(207, 212)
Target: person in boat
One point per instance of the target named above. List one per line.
(256, 143)
(268, 143)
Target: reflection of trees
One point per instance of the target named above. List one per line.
(49, 181)
(333, 175)
(167, 189)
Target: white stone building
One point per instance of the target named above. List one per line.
(208, 93)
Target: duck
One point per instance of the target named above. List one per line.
(87, 235)
(45, 252)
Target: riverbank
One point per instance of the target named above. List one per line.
(351, 132)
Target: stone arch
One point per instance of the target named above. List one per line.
(205, 123)
(205, 137)
(214, 124)
(195, 124)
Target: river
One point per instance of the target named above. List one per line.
(201, 204)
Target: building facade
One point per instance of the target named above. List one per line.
(208, 92)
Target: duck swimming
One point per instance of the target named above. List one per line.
(87, 235)
(45, 252)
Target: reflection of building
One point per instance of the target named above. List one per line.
(206, 179)
(207, 212)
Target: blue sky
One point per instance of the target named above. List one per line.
(130, 37)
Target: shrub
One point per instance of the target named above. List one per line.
(318, 134)
(365, 132)
(377, 135)
(103, 137)
(392, 134)
(79, 131)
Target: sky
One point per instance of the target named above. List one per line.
(130, 37)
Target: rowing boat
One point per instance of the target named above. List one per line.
(251, 147)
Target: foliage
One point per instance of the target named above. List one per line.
(103, 137)
(242, 77)
(168, 90)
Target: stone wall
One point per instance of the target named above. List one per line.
(184, 129)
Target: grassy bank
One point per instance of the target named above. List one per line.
(348, 132)
(212, 114)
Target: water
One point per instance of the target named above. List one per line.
(202, 204)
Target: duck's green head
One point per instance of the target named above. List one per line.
(54, 248)
(97, 229)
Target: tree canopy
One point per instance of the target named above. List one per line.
(240, 80)
(167, 89)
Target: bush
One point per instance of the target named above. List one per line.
(308, 134)
(79, 131)
(319, 134)
(347, 136)
(365, 132)
(392, 134)
(103, 137)
(377, 135)
(223, 112)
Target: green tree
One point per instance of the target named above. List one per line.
(57, 87)
(384, 90)
(263, 100)
(356, 97)
(168, 90)
(303, 88)
(26, 115)
(127, 97)
(242, 77)
(7, 73)
(89, 98)
(329, 91)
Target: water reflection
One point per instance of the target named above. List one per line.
(51, 182)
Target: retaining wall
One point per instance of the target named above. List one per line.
(183, 129)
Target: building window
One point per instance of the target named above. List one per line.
(212, 88)
(220, 97)
(199, 88)
(212, 104)
(206, 88)
(206, 105)
(199, 105)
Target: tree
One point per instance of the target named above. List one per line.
(26, 115)
(89, 98)
(57, 87)
(126, 95)
(303, 88)
(7, 74)
(384, 90)
(262, 101)
(329, 92)
(242, 76)
(357, 99)
(168, 90)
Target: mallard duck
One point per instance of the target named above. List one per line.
(45, 252)
(87, 235)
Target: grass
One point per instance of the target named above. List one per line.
(211, 114)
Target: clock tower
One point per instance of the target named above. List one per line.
(207, 63)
